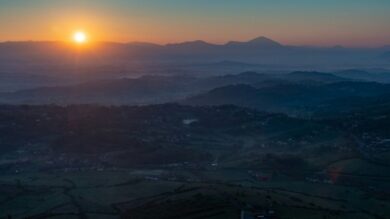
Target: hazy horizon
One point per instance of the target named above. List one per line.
(208, 42)
(350, 23)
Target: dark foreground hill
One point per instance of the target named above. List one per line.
(164, 134)
(173, 161)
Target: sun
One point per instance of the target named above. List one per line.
(79, 37)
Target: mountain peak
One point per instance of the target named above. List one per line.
(191, 43)
(259, 41)
(264, 41)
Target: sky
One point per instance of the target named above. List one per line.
(356, 23)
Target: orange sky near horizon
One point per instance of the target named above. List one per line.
(170, 21)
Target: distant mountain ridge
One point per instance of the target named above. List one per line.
(260, 50)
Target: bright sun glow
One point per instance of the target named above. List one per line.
(80, 37)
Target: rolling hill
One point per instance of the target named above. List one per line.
(296, 98)
(155, 89)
